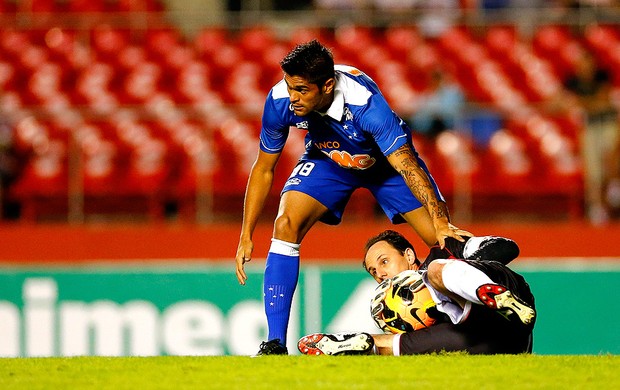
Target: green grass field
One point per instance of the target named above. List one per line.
(443, 371)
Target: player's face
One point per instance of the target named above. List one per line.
(383, 261)
(307, 97)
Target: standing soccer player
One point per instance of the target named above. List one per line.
(354, 140)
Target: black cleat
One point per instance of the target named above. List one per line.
(501, 249)
(272, 347)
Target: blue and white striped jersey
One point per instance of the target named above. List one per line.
(358, 129)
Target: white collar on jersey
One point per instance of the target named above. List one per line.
(336, 109)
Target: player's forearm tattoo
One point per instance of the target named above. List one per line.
(419, 183)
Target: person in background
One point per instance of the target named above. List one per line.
(589, 90)
(440, 107)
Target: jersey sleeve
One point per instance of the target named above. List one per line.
(275, 124)
(388, 130)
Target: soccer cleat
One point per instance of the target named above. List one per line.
(336, 344)
(495, 248)
(272, 347)
(499, 298)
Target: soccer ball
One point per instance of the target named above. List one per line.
(402, 302)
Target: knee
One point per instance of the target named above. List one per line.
(285, 229)
(434, 275)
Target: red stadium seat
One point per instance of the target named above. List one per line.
(141, 83)
(108, 41)
(398, 91)
(271, 65)
(7, 7)
(243, 88)
(178, 57)
(93, 80)
(61, 43)
(13, 43)
(196, 161)
(549, 39)
(401, 39)
(193, 82)
(146, 174)
(349, 38)
(460, 163)
(32, 57)
(160, 42)
(372, 58)
(424, 58)
(500, 40)
(43, 178)
(44, 83)
(223, 61)
(301, 34)
(604, 41)
(255, 40)
(7, 76)
(210, 40)
(43, 6)
(602, 38)
(242, 140)
(512, 156)
(101, 177)
(556, 44)
(45, 172)
(86, 6)
(140, 5)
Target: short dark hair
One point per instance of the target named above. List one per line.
(394, 238)
(311, 60)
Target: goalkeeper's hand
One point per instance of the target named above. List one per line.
(410, 278)
(377, 305)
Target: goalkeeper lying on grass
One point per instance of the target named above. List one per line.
(480, 306)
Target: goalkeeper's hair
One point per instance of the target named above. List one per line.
(394, 238)
(311, 61)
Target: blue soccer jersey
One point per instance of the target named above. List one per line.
(351, 139)
(358, 128)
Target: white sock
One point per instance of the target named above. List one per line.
(463, 280)
(284, 248)
(396, 345)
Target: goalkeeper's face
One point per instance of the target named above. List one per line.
(383, 261)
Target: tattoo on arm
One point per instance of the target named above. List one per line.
(418, 181)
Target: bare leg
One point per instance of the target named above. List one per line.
(297, 213)
(384, 343)
(421, 222)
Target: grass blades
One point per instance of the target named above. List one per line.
(445, 371)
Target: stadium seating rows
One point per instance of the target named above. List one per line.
(154, 115)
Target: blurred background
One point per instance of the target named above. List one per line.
(150, 110)
(128, 128)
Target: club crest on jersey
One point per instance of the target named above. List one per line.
(348, 115)
(302, 125)
(347, 160)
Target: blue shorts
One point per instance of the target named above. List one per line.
(333, 185)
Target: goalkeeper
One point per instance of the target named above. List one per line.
(485, 308)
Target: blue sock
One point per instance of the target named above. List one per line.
(281, 274)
